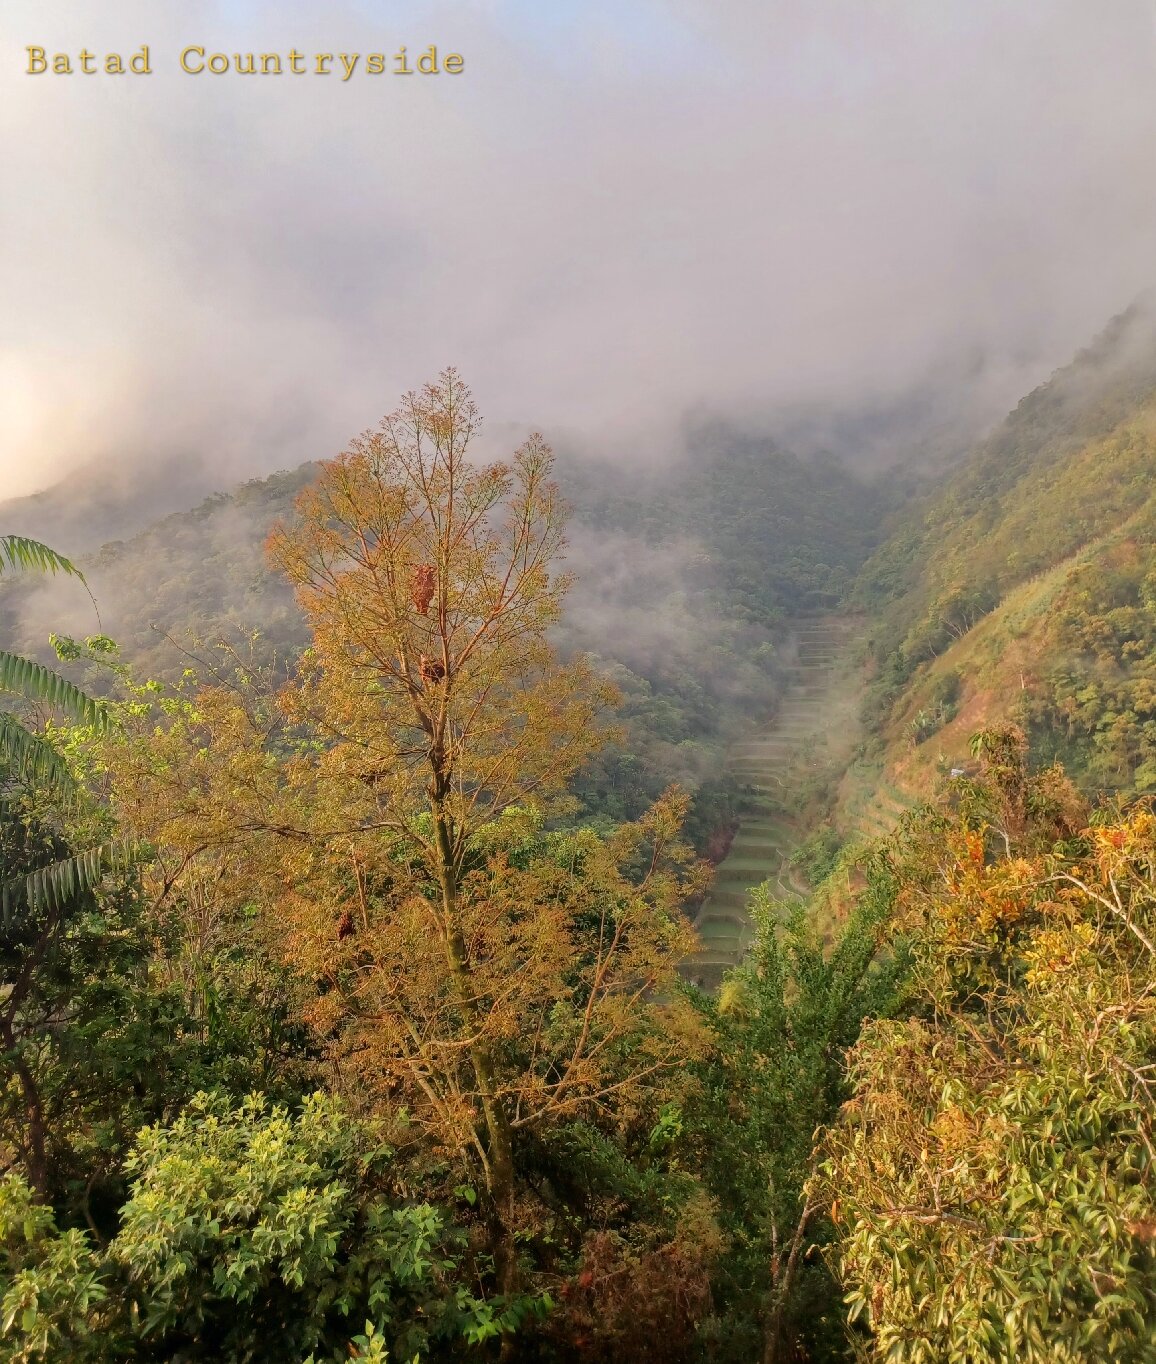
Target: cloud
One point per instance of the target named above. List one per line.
(616, 214)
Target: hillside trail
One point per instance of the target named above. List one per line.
(814, 730)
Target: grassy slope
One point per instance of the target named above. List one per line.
(989, 583)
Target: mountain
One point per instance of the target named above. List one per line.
(193, 575)
(686, 579)
(1024, 588)
(103, 501)
(1019, 584)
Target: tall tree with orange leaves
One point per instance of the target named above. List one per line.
(993, 1177)
(386, 808)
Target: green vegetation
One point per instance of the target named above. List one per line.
(371, 1041)
(1017, 591)
(993, 1176)
(818, 854)
(782, 1023)
(1095, 704)
(687, 579)
(248, 1233)
(27, 759)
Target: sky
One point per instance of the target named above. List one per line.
(616, 215)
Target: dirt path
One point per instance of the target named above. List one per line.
(816, 727)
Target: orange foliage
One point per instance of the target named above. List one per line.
(380, 823)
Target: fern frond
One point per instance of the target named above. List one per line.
(23, 677)
(18, 552)
(30, 759)
(52, 887)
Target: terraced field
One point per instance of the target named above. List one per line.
(816, 725)
(869, 807)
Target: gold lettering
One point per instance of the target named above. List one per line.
(323, 60)
(142, 57)
(375, 64)
(196, 52)
(266, 59)
(453, 64)
(349, 60)
(427, 63)
(37, 61)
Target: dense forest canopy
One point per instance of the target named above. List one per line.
(345, 1010)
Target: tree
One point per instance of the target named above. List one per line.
(100, 1033)
(993, 1174)
(42, 877)
(24, 754)
(53, 1285)
(251, 1234)
(385, 807)
(65, 963)
(256, 1233)
(784, 1021)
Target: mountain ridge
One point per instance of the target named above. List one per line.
(1022, 590)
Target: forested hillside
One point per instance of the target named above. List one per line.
(687, 574)
(1023, 589)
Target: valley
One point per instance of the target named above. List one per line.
(814, 732)
(766, 665)
(578, 686)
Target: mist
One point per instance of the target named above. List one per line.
(616, 216)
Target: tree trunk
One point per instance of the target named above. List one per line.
(36, 1136)
(499, 1137)
(782, 1281)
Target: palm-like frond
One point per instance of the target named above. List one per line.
(31, 760)
(32, 681)
(18, 552)
(52, 887)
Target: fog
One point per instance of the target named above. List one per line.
(617, 215)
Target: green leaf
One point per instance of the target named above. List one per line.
(30, 759)
(33, 682)
(18, 552)
(53, 886)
